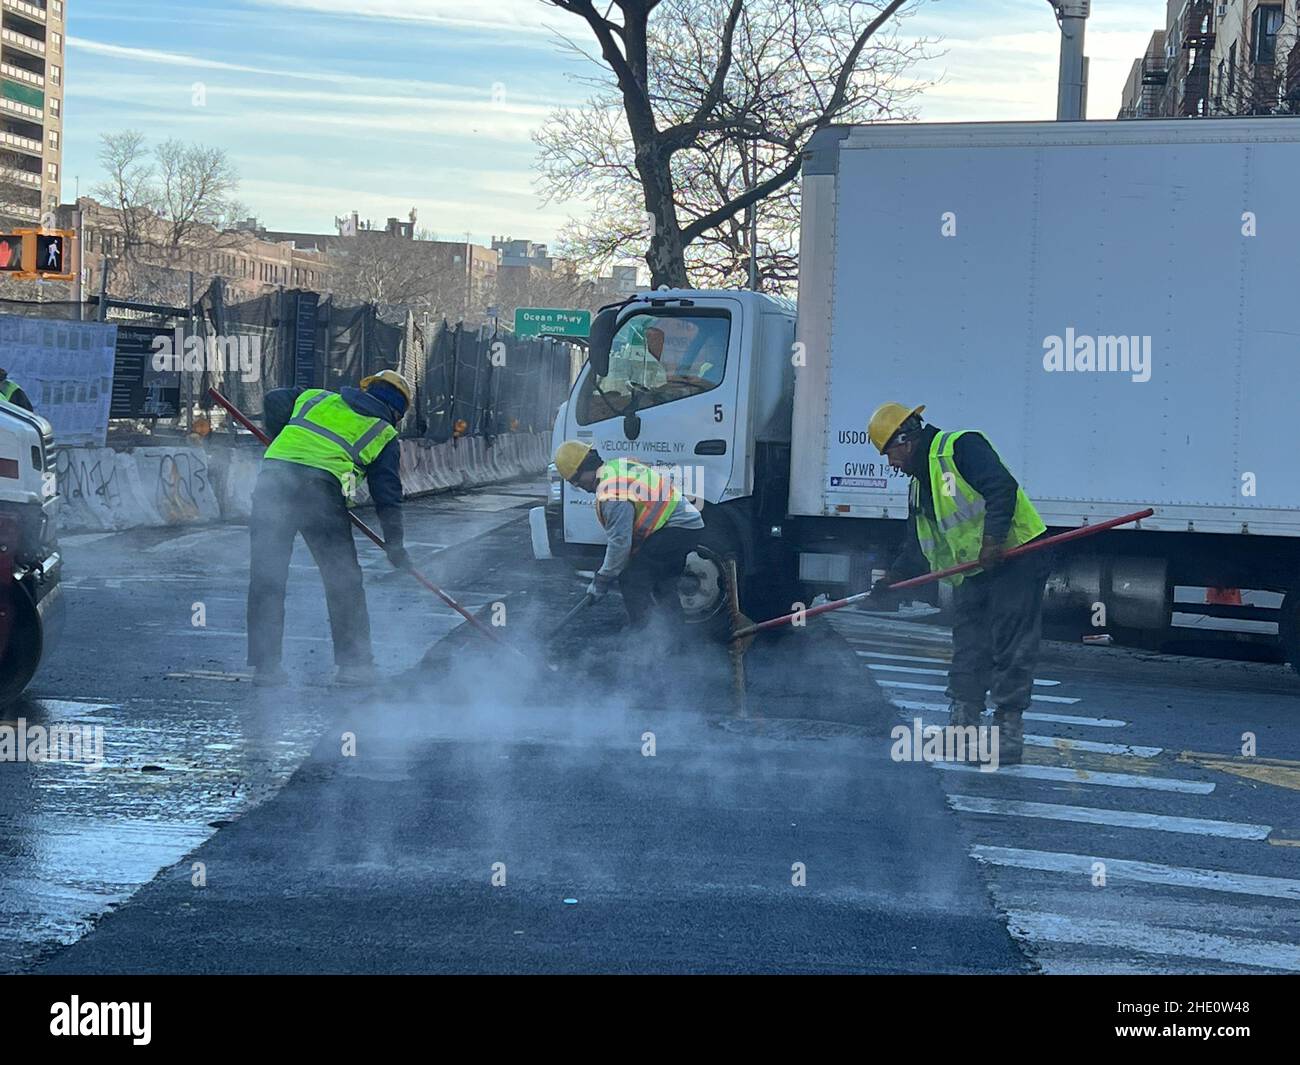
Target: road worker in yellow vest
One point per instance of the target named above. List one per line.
(322, 445)
(11, 392)
(649, 525)
(965, 506)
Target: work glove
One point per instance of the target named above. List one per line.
(598, 587)
(881, 597)
(398, 556)
(990, 553)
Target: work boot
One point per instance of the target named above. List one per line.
(270, 676)
(964, 713)
(1011, 735)
(355, 676)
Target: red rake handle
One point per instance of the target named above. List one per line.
(247, 423)
(926, 578)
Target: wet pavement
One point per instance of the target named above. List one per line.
(479, 813)
(189, 745)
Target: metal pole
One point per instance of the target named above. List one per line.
(753, 224)
(1072, 15)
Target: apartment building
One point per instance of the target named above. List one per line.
(1218, 58)
(248, 262)
(33, 48)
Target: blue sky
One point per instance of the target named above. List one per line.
(378, 106)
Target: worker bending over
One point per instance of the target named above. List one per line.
(965, 506)
(10, 392)
(322, 444)
(651, 528)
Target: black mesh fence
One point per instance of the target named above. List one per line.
(468, 382)
(476, 383)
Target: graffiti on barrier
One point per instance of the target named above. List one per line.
(182, 481)
(83, 475)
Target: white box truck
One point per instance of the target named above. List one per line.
(1110, 302)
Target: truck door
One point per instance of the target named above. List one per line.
(677, 368)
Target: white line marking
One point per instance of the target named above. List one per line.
(1147, 939)
(1086, 776)
(1272, 887)
(242, 635)
(901, 658)
(936, 672)
(1030, 715)
(1196, 826)
(1124, 750)
(885, 682)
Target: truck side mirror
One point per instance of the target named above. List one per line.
(601, 338)
(631, 425)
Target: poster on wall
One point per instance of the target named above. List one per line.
(66, 369)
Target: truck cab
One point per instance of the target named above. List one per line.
(697, 384)
(31, 606)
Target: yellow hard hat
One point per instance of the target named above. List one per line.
(885, 422)
(391, 377)
(570, 456)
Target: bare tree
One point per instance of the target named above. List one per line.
(703, 112)
(420, 275)
(171, 205)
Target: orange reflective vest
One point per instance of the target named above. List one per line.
(654, 498)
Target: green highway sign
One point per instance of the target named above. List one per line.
(534, 321)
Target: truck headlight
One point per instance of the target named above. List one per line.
(557, 484)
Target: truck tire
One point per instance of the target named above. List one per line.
(703, 586)
(1289, 627)
(20, 654)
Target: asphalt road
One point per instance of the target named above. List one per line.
(482, 814)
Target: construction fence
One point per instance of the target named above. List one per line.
(468, 381)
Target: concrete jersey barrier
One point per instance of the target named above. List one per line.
(107, 490)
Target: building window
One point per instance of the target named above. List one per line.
(56, 107)
(54, 139)
(57, 38)
(54, 171)
(58, 8)
(56, 74)
(1264, 29)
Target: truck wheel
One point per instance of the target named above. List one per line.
(1289, 627)
(702, 588)
(20, 651)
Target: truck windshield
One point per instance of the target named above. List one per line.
(656, 359)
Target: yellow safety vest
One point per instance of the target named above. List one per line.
(327, 434)
(7, 390)
(654, 498)
(957, 533)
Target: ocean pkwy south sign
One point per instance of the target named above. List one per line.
(536, 321)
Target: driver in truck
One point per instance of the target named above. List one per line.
(651, 528)
(965, 506)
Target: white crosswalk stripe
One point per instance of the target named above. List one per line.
(1054, 905)
(1086, 776)
(1124, 937)
(982, 804)
(881, 667)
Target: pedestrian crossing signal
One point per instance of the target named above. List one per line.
(52, 253)
(37, 254)
(11, 252)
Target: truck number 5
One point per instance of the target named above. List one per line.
(717, 412)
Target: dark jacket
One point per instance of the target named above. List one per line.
(979, 464)
(382, 475)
